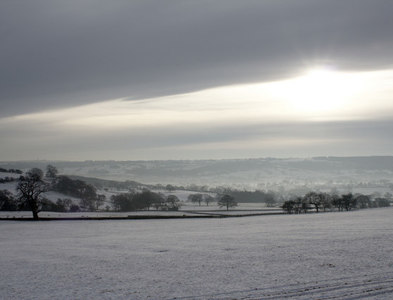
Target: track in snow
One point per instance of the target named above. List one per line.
(375, 286)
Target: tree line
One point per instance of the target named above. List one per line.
(328, 202)
(144, 200)
(270, 198)
(15, 171)
(223, 200)
(7, 179)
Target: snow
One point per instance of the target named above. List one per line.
(54, 196)
(9, 175)
(344, 255)
(10, 186)
(71, 215)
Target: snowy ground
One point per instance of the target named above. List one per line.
(345, 255)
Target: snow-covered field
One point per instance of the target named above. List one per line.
(345, 255)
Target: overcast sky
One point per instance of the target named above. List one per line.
(89, 79)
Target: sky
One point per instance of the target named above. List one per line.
(166, 79)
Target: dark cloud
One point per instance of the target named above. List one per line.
(65, 53)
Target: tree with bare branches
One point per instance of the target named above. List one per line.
(30, 188)
(227, 201)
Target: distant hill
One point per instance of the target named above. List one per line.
(262, 173)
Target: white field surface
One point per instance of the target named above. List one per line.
(346, 255)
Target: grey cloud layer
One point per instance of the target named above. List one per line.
(252, 140)
(65, 53)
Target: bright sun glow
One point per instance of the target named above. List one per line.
(318, 91)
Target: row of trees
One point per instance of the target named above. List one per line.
(199, 198)
(15, 171)
(7, 179)
(148, 199)
(144, 200)
(324, 201)
(269, 197)
(224, 200)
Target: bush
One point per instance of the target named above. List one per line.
(74, 208)
(7, 201)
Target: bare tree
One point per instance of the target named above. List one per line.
(195, 198)
(297, 205)
(326, 201)
(227, 201)
(30, 188)
(363, 201)
(51, 171)
(349, 201)
(172, 202)
(98, 201)
(207, 198)
(314, 199)
(289, 206)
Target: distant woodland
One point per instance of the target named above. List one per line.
(32, 186)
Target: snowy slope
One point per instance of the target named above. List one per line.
(318, 256)
(50, 195)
